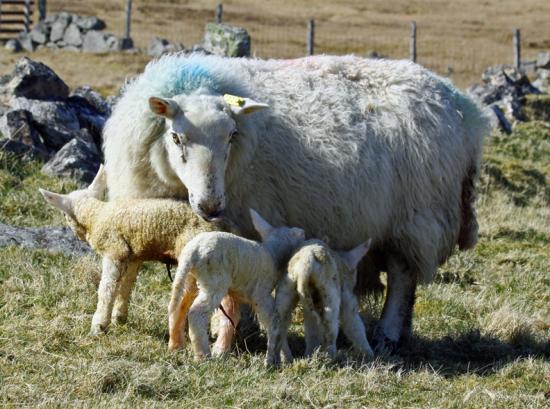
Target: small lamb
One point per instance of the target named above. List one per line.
(125, 232)
(323, 280)
(214, 264)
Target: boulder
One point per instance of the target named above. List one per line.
(72, 36)
(40, 32)
(13, 45)
(53, 239)
(16, 125)
(89, 117)
(59, 25)
(94, 98)
(542, 81)
(226, 40)
(78, 159)
(99, 42)
(20, 149)
(31, 79)
(86, 23)
(55, 120)
(159, 46)
(26, 41)
(543, 60)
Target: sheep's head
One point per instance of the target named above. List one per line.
(282, 241)
(200, 130)
(67, 202)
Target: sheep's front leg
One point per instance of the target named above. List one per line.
(199, 315)
(127, 282)
(226, 329)
(352, 324)
(110, 275)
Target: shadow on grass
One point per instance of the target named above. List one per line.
(454, 355)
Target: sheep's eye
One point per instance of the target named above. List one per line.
(233, 135)
(176, 138)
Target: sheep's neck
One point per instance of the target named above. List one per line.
(86, 211)
(280, 253)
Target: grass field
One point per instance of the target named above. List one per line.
(458, 39)
(482, 329)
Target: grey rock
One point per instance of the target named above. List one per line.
(13, 45)
(89, 117)
(86, 23)
(226, 40)
(40, 32)
(94, 98)
(23, 151)
(498, 119)
(78, 159)
(159, 46)
(62, 21)
(16, 125)
(55, 120)
(72, 36)
(543, 60)
(26, 41)
(31, 79)
(114, 43)
(96, 42)
(54, 239)
(542, 82)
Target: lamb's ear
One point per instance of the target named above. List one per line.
(99, 184)
(243, 106)
(261, 225)
(166, 108)
(62, 202)
(354, 256)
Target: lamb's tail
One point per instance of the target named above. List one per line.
(307, 287)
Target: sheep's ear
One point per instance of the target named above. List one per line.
(354, 256)
(243, 106)
(62, 202)
(261, 225)
(166, 108)
(99, 184)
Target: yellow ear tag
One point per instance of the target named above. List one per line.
(234, 100)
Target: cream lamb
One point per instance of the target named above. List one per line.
(323, 281)
(125, 232)
(215, 264)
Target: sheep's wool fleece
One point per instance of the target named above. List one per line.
(150, 229)
(350, 148)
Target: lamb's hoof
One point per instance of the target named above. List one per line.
(201, 357)
(219, 351)
(383, 345)
(98, 329)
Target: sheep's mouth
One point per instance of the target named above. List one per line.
(215, 217)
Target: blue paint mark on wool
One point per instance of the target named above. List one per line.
(174, 76)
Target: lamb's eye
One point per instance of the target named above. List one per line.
(233, 135)
(176, 138)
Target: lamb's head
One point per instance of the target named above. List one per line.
(67, 202)
(200, 130)
(281, 241)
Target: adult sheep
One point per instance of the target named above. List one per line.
(344, 147)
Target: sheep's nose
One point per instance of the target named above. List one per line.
(211, 209)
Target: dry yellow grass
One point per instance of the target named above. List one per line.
(459, 39)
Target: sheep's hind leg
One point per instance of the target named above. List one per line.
(226, 328)
(397, 307)
(127, 282)
(110, 275)
(199, 315)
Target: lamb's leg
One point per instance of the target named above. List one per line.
(184, 291)
(397, 307)
(285, 301)
(330, 319)
(127, 282)
(112, 270)
(199, 315)
(264, 306)
(311, 331)
(226, 331)
(352, 324)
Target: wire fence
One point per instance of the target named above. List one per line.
(462, 52)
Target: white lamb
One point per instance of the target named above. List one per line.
(323, 281)
(215, 264)
(125, 232)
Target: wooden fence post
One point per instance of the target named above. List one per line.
(219, 13)
(517, 49)
(128, 21)
(41, 10)
(412, 43)
(27, 16)
(310, 37)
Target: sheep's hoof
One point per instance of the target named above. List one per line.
(98, 329)
(272, 362)
(382, 344)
